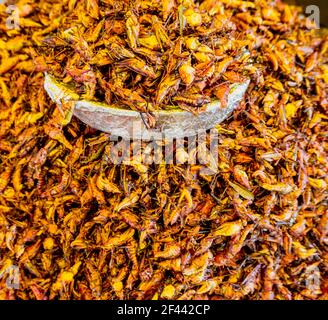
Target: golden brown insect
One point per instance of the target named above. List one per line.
(168, 86)
(150, 285)
(196, 100)
(205, 70)
(119, 239)
(55, 133)
(132, 249)
(117, 49)
(198, 267)
(104, 184)
(269, 278)
(39, 292)
(130, 98)
(60, 188)
(94, 279)
(170, 251)
(130, 218)
(171, 264)
(139, 66)
(235, 246)
(128, 201)
(251, 281)
(160, 32)
(222, 92)
(30, 252)
(167, 8)
(5, 177)
(17, 175)
(10, 63)
(132, 29)
(92, 7)
(188, 295)
(311, 62)
(187, 72)
(174, 56)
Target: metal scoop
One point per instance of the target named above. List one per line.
(130, 124)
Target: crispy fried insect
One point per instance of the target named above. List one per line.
(5, 177)
(60, 188)
(170, 251)
(94, 279)
(168, 86)
(167, 8)
(132, 29)
(187, 72)
(139, 66)
(117, 51)
(196, 100)
(160, 33)
(119, 239)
